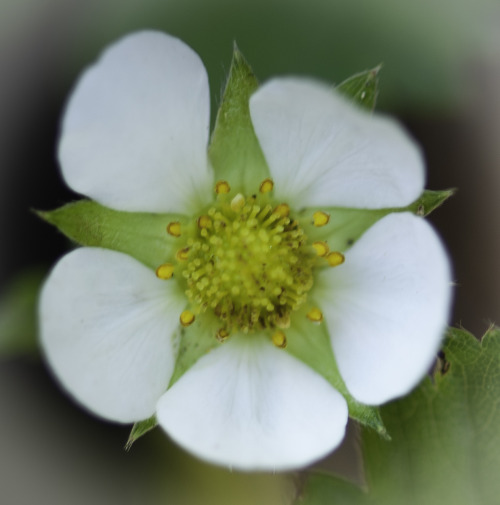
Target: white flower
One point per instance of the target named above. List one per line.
(134, 138)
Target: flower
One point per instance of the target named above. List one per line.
(253, 270)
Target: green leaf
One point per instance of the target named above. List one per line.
(234, 150)
(18, 314)
(445, 444)
(346, 225)
(362, 88)
(139, 429)
(310, 343)
(139, 234)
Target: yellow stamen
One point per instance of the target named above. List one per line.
(204, 222)
(321, 248)
(187, 318)
(266, 186)
(335, 258)
(165, 271)
(222, 187)
(174, 229)
(283, 210)
(279, 339)
(320, 218)
(315, 315)
(222, 335)
(182, 254)
(238, 202)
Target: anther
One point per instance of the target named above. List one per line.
(174, 229)
(222, 187)
(186, 318)
(238, 202)
(283, 210)
(321, 248)
(266, 186)
(165, 271)
(204, 222)
(335, 258)
(279, 339)
(222, 335)
(182, 254)
(320, 218)
(315, 315)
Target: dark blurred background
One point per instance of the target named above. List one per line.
(441, 75)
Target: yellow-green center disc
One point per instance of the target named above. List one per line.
(249, 264)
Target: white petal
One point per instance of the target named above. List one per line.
(387, 307)
(107, 326)
(323, 151)
(135, 132)
(251, 406)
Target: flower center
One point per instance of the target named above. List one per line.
(248, 263)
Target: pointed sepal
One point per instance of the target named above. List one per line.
(310, 343)
(140, 429)
(362, 88)
(141, 235)
(346, 225)
(430, 201)
(234, 150)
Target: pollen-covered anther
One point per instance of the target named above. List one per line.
(320, 218)
(165, 271)
(238, 202)
(321, 248)
(279, 339)
(222, 187)
(174, 229)
(182, 254)
(204, 222)
(335, 258)
(315, 315)
(222, 335)
(266, 186)
(282, 210)
(186, 318)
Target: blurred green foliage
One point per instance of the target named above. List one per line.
(424, 46)
(445, 444)
(18, 321)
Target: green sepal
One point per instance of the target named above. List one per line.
(346, 225)
(234, 150)
(139, 429)
(141, 235)
(194, 342)
(430, 201)
(18, 324)
(362, 88)
(310, 343)
(445, 444)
